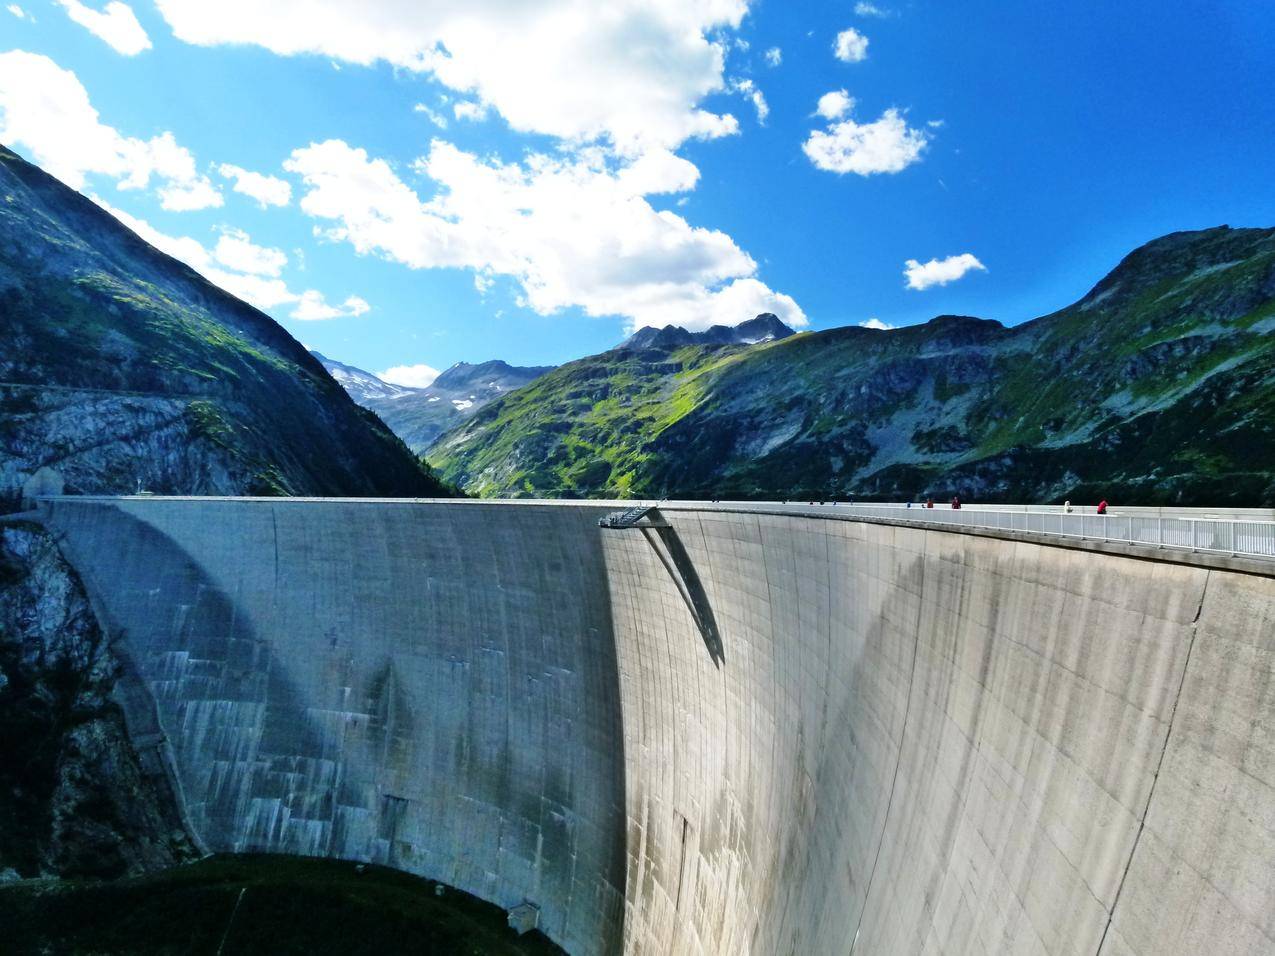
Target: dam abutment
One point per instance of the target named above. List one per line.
(905, 739)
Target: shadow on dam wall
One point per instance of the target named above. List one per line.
(748, 733)
(258, 768)
(418, 693)
(667, 545)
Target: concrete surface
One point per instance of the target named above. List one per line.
(743, 732)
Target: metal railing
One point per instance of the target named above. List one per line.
(1239, 537)
(625, 519)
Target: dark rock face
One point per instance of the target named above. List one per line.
(75, 799)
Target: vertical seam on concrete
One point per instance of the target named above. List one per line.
(907, 711)
(274, 531)
(1155, 777)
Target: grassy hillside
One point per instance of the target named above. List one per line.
(121, 366)
(1158, 386)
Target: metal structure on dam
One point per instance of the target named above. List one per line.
(726, 729)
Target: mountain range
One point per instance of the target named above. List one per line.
(1157, 386)
(420, 415)
(123, 369)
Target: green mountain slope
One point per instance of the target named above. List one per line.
(1159, 385)
(120, 367)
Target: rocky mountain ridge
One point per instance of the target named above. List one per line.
(766, 327)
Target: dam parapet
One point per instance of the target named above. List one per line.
(751, 728)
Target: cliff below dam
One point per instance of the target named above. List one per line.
(730, 732)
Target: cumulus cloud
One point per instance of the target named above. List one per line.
(572, 230)
(312, 307)
(628, 72)
(835, 104)
(235, 250)
(864, 9)
(46, 109)
(411, 376)
(774, 56)
(940, 271)
(266, 190)
(851, 46)
(185, 195)
(620, 85)
(468, 110)
(875, 323)
(17, 11)
(242, 268)
(115, 23)
(887, 145)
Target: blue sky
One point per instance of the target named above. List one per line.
(603, 166)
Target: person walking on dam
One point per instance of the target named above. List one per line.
(956, 502)
(1102, 506)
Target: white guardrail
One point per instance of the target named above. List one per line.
(1238, 537)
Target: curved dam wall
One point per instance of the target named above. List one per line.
(739, 732)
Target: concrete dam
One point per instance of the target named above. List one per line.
(733, 731)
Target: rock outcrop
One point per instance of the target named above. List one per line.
(75, 798)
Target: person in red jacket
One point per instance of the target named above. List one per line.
(1102, 506)
(956, 503)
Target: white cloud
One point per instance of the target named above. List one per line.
(229, 266)
(46, 109)
(435, 117)
(628, 72)
(115, 23)
(198, 193)
(411, 376)
(235, 250)
(940, 271)
(887, 145)
(468, 110)
(864, 9)
(266, 190)
(774, 56)
(851, 46)
(834, 104)
(17, 11)
(875, 323)
(313, 307)
(749, 89)
(572, 230)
